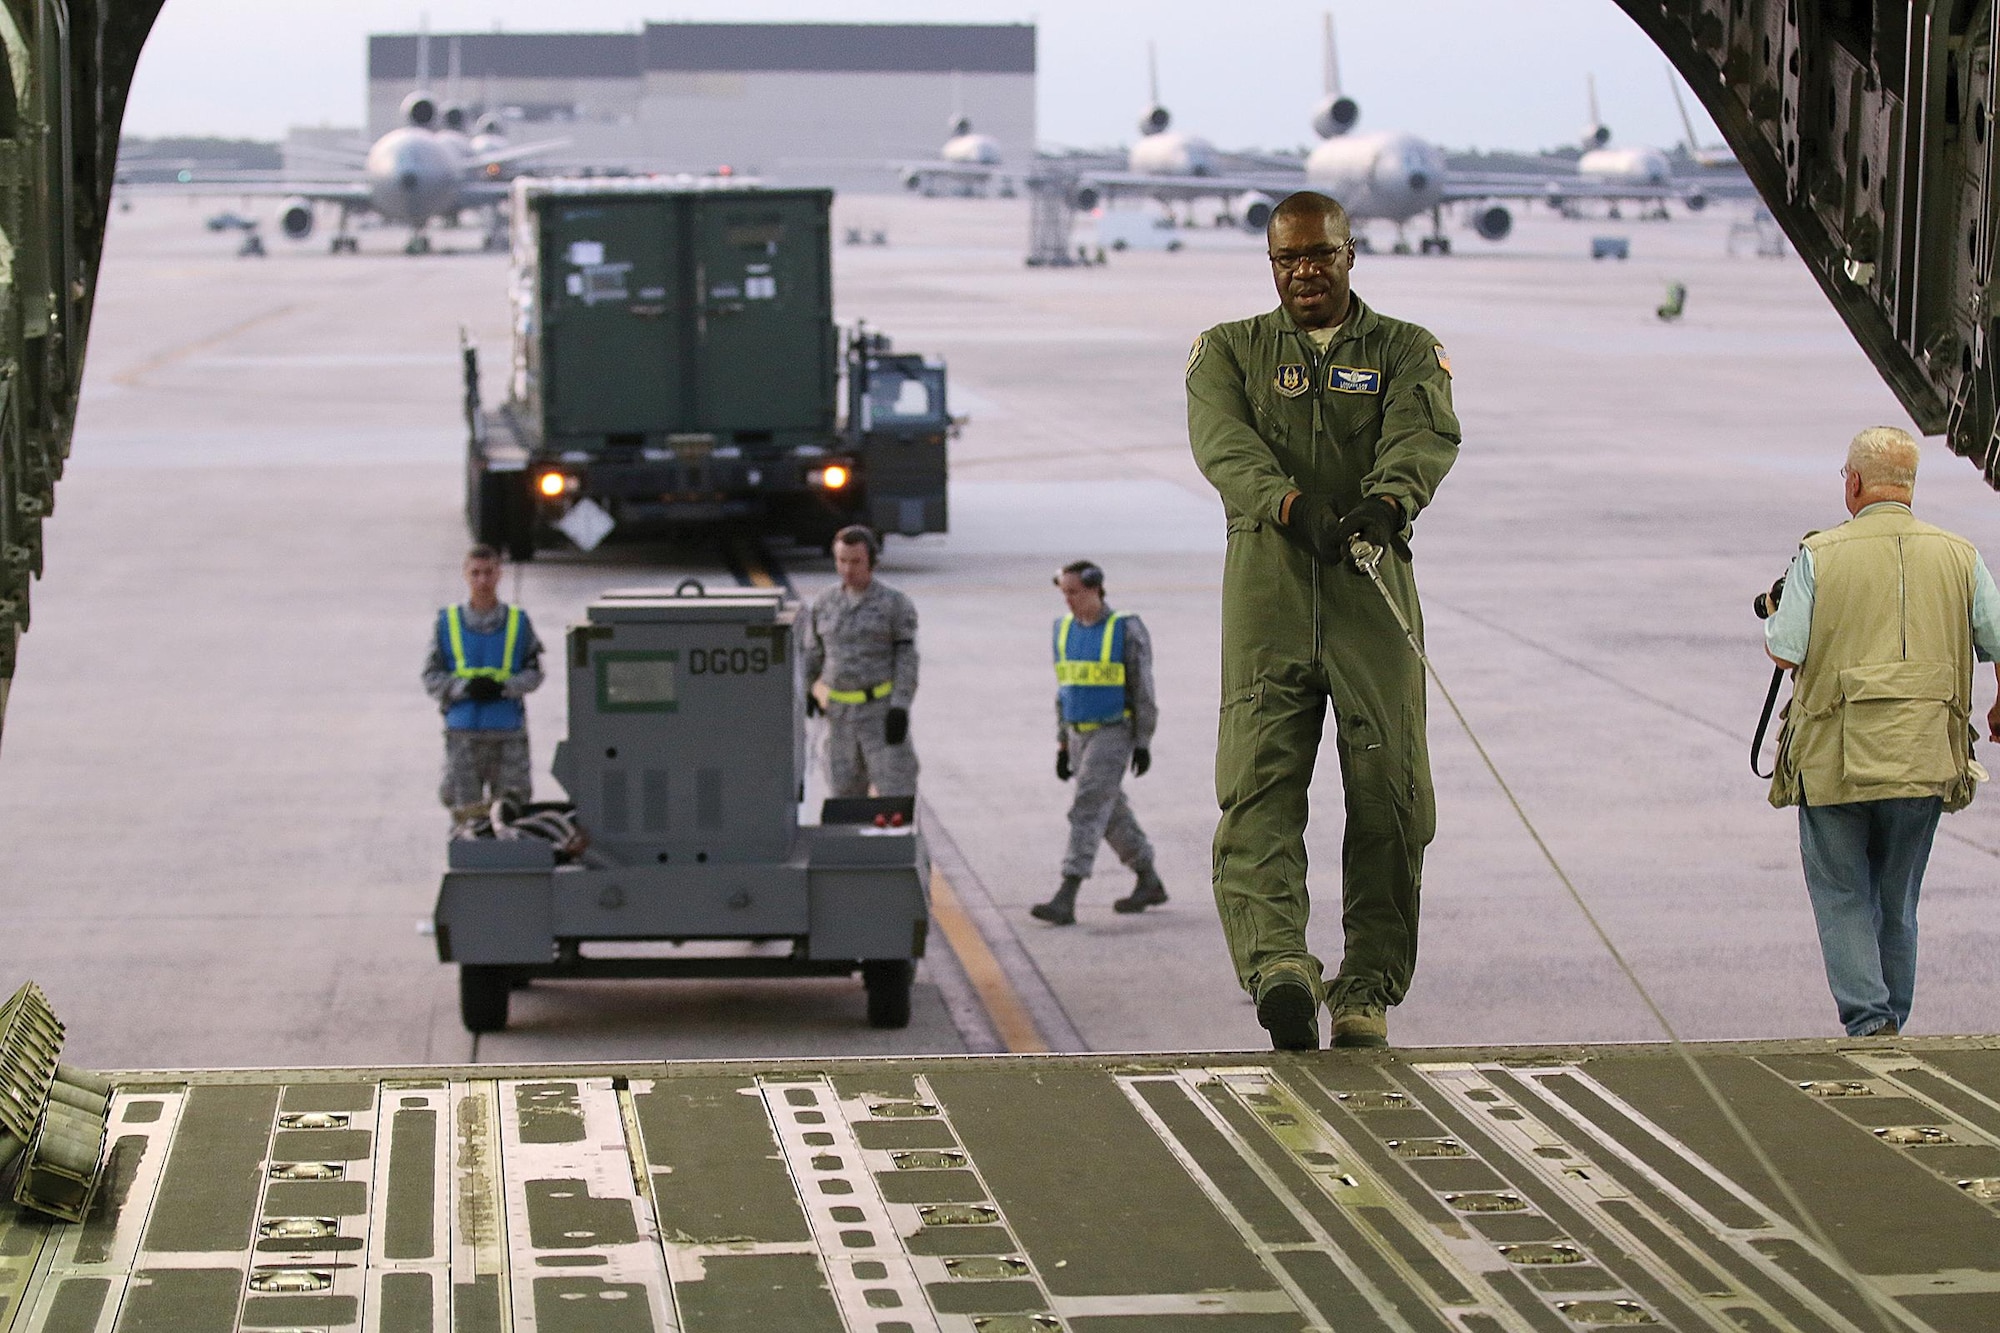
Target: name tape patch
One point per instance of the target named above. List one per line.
(1353, 379)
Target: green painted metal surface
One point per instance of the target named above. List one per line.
(1466, 1191)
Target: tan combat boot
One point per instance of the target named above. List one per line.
(1361, 1025)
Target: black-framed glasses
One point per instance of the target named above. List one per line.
(1320, 257)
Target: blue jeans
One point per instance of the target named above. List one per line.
(1864, 864)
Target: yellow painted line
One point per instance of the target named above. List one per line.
(1011, 1019)
(132, 377)
(753, 566)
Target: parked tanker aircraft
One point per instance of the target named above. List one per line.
(437, 164)
(968, 164)
(1381, 175)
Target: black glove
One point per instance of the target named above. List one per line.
(1063, 770)
(896, 726)
(812, 705)
(484, 689)
(1374, 521)
(1313, 526)
(1142, 759)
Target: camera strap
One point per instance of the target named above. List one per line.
(1764, 723)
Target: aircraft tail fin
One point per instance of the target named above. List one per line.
(1680, 105)
(1332, 71)
(1153, 73)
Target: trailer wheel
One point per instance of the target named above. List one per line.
(482, 997)
(888, 982)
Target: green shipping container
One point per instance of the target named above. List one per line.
(646, 310)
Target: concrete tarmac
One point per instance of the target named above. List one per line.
(217, 784)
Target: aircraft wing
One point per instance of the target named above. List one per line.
(353, 192)
(1111, 185)
(516, 153)
(1463, 187)
(968, 176)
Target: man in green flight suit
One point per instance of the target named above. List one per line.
(1320, 422)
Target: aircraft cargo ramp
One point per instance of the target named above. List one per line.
(1421, 1191)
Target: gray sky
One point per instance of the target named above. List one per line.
(1485, 73)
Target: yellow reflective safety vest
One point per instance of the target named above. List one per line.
(495, 654)
(1090, 670)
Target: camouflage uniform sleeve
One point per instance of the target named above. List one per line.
(815, 647)
(904, 647)
(529, 677)
(1223, 434)
(439, 683)
(1139, 693)
(1420, 432)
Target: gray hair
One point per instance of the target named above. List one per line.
(1884, 456)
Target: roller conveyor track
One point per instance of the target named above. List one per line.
(1464, 1191)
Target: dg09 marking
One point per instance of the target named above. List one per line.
(729, 661)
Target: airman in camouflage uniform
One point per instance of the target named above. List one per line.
(861, 670)
(1106, 710)
(484, 658)
(1320, 422)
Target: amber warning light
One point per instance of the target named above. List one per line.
(552, 484)
(835, 477)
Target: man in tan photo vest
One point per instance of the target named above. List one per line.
(1880, 620)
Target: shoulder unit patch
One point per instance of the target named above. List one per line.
(1353, 379)
(1291, 379)
(1444, 362)
(1194, 352)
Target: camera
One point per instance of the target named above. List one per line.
(1767, 602)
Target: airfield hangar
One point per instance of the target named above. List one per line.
(835, 104)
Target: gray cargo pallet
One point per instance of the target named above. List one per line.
(1424, 1191)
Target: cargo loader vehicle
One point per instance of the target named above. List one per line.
(675, 364)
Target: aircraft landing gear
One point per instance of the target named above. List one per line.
(344, 244)
(1437, 243)
(419, 244)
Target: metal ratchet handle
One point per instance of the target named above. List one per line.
(1366, 555)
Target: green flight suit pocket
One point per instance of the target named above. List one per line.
(1896, 723)
(1237, 741)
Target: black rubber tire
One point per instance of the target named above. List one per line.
(482, 997)
(888, 982)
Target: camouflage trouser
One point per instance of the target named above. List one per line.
(857, 756)
(1100, 812)
(482, 766)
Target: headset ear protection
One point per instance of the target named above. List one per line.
(856, 534)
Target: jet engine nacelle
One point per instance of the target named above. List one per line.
(958, 127)
(1335, 116)
(295, 216)
(913, 180)
(1086, 198)
(1493, 223)
(1596, 136)
(1695, 201)
(1253, 210)
(455, 118)
(490, 124)
(420, 109)
(1154, 119)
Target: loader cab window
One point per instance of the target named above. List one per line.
(904, 395)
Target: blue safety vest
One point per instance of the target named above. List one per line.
(1090, 671)
(498, 653)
